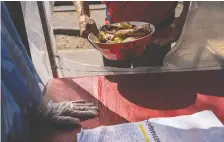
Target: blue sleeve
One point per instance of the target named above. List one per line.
(18, 72)
(21, 87)
(15, 124)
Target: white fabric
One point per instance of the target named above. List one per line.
(201, 43)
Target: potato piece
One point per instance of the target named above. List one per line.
(129, 39)
(102, 37)
(117, 40)
(118, 32)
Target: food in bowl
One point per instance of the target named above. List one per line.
(122, 32)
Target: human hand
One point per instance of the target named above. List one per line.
(69, 112)
(87, 25)
(175, 31)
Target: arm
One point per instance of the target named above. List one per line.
(186, 8)
(82, 7)
(181, 19)
(176, 27)
(86, 24)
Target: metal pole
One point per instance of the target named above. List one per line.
(51, 51)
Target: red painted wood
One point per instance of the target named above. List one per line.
(129, 98)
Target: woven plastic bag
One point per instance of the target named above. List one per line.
(201, 44)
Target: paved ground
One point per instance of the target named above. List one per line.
(83, 57)
(65, 24)
(66, 42)
(65, 17)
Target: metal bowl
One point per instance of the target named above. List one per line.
(125, 50)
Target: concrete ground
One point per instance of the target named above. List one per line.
(75, 52)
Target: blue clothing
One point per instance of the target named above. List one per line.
(21, 87)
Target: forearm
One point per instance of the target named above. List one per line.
(86, 24)
(82, 7)
(185, 10)
(179, 22)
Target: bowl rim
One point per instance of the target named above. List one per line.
(151, 26)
